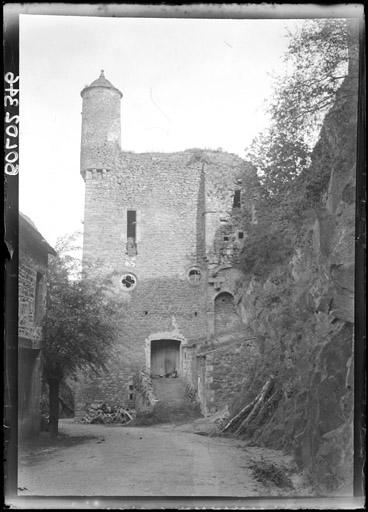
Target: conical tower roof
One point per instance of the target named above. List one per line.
(101, 81)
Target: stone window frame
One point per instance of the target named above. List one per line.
(237, 198)
(197, 269)
(131, 232)
(124, 276)
(174, 335)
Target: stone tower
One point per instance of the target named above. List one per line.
(150, 222)
(101, 130)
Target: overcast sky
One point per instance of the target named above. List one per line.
(185, 82)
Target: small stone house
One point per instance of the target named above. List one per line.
(33, 260)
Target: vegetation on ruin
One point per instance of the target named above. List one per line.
(79, 326)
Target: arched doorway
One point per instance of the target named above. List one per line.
(165, 358)
(226, 317)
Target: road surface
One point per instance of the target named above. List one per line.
(161, 460)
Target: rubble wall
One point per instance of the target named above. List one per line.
(32, 308)
(229, 369)
(29, 322)
(169, 194)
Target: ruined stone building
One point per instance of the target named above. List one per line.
(157, 226)
(33, 259)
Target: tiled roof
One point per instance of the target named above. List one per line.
(28, 228)
(101, 81)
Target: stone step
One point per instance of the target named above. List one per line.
(169, 389)
(179, 412)
(172, 405)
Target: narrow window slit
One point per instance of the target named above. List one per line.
(236, 202)
(131, 246)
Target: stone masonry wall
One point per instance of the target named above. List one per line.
(29, 327)
(101, 130)
(31, 313)
(168, 193)
(164, 194)
(111, 386)
(227, 370)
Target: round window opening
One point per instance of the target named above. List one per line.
(128, 281)
(194, 276)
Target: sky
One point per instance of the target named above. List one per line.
(186, 83)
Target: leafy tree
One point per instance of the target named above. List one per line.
(318, 59)
(79, 326)
(316, 64)
(279, 159)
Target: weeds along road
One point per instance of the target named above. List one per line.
(163, 460)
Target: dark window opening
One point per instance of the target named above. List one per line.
(131, 247)
(226, 238)
(195, 313)
(236, 203)
(194, 275)
(130, 387)
(131, 396)
(240, 234)
(129, 281)
(131, 224)
(146, 312)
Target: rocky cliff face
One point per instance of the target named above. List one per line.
(303, 314)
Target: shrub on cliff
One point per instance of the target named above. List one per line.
(285, 187)
(267, 246)
(317, 62)
(306, 342)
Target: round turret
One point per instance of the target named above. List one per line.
(101, 126)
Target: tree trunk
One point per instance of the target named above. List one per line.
(53, 406)
(257, 406)
(240, 414)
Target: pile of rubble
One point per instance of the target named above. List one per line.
(145, 397)
(99, 412)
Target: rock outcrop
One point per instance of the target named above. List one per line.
(302, 313)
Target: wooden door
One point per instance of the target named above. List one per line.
(165, 357)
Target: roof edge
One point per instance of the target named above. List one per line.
(101, 87)
(31, 227)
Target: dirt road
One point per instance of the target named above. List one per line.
(165, 460)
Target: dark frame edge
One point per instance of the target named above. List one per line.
(10, 243)
(360, 280)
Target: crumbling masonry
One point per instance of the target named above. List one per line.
(157, 225)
